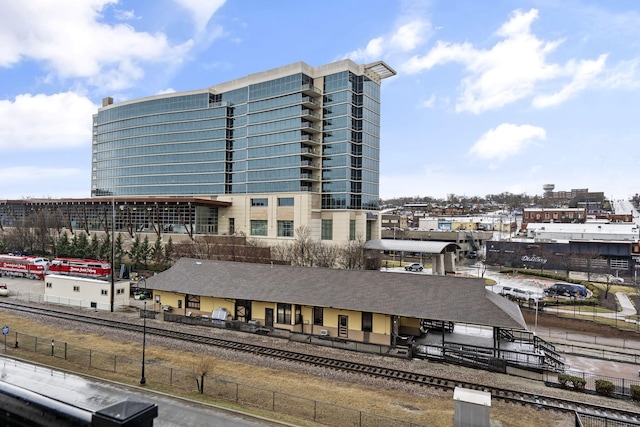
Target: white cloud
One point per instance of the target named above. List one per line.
(26, 182)
(69, 37)
(46, 121)
(429, 103)
(409, 36)
(584, 73)
(373, 50)
(125, 15)
(624, 75)
(201, 10)
(166, 91)
(404, 38)
(505, 141)
(512, 69)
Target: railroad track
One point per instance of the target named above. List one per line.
(447, 384)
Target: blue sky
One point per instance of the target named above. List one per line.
(490, 96)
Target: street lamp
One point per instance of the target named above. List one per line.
(143, 380)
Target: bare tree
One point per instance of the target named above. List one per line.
(481, 265)
(282, 252)
(373, 260)
(323, 255)
(200, 368)
(351, 255)
(607, 286)
(302, 250)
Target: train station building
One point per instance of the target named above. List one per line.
(357, 308)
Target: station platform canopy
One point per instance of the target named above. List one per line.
(414, 246)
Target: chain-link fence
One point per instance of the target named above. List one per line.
(182, 380)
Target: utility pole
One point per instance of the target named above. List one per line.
(113, 251)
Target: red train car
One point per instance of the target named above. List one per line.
(80, 267)
(31, 267)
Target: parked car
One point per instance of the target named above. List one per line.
(517, 294)
(614, 279)
(566, 290)
(416, 266)
(472, 255)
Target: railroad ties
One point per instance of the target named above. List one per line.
(446, 384)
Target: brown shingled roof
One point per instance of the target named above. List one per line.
(447, 298)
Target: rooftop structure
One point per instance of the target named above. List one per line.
(588, 231)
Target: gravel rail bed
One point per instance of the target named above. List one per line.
(445, 370)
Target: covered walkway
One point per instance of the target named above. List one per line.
(442, 253)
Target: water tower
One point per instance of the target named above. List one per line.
(548, 189)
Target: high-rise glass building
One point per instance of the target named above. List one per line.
(290, 147)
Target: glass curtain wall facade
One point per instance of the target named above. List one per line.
(174, 145)
(351, 142)
(278, 135)
(294, 130)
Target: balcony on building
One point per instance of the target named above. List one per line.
(308, 163)
(309, 102)
(307, 151)
(310, 90)
(310, 115)
(309, 127)
(309, 139)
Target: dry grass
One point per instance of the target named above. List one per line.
(428, 407)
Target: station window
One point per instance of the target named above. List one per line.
(193, 301)
(367, 322)
(260, 202)
(258, 227)
(76, 289)
(352, 229)
(318, 316)
(49, 285)
(120, 291)
(284, 314)
(104, 292)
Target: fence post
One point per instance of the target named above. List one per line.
(52, 347)
(65, 351)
